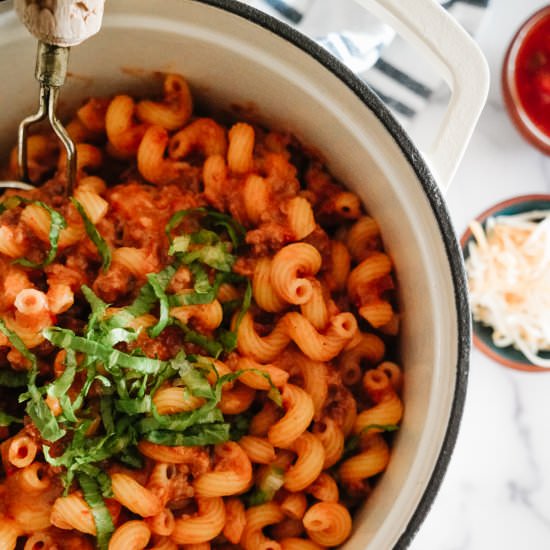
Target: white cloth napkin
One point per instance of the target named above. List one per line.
(371, 49)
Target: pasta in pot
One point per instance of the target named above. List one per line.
(197, 349)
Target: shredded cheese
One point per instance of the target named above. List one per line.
(509, 277)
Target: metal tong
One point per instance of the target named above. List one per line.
(58, 26)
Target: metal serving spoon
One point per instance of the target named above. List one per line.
(58, 27)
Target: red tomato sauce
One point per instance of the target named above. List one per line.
(533, 74)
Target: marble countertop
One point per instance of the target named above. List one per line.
(496, 493)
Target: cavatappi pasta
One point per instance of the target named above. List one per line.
(197, 349)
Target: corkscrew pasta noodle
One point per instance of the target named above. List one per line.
(324, 488)
(165, 543)
(174, 110)
(72, 512)
(328, 523)
(132, 534)
(206, 524)
(235, 520)
(198, 347)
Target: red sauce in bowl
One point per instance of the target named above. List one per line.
(526, 79)
(533, 74)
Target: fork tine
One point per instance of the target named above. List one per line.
(23, 133)
(64, 137)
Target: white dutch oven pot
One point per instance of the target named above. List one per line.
(234, 55)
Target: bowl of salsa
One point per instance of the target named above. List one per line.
(526, 79)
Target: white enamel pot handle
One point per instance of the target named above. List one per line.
(460, 63)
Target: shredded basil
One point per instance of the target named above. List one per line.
(60, 387)
(103, 479)
(234, 229)
(266, 486)
(179, 244)
(131, 457)
(240, 425)
(211, 346)
(106, 410)
(12, 202)
(57, 224)
(202, 283)
(206, 434)
(180, 422)
(193, 376)
(275, 395)
(176, 219)
(164, 313)
(103, 522)
(112, 359)
(36, 408)
(42, 417)
(95, 236)
(13, 379)
(228, 339)
(256, 498)
(352, 443)
(18, 344)
(7, 419)
(98, 307)
(381, 427)
(134, 406)
(128, 414)
(205, 249)
(204, 292)
(147, 297)
(210, 220)
(215, 255)
(84, 450)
